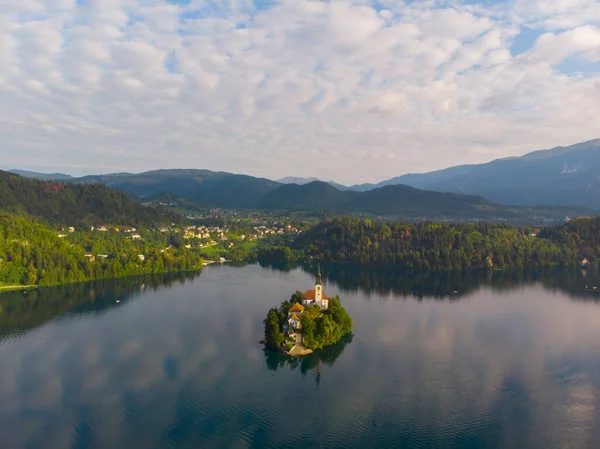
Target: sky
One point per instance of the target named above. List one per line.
(350, 91)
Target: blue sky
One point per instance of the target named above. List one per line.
(353, 91)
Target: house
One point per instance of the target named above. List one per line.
(584, 262)
(141, 257)
(316, 296)
(136, 236)
(71, 229)
(294, 321)
(296, 308)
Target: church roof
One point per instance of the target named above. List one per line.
(294, 316)
(297, 308)
(310, 294)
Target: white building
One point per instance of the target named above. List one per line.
(316, 296)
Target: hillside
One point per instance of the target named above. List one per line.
(33, 254)
(218, 189)
(41, 176)
(400, 201)
(566, 176)
(302, 181)
(71, 204)
(435, 246)
(314, 196)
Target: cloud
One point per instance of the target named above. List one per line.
(393, 87)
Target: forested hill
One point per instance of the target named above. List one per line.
(69, 204)
(401, 202)
(218, 189)
(452, 247)
(32, 254)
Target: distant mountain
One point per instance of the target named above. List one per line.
(314, 196)
(41, 176)
(302, 181)
(296, 180)
(567, 176)
(71, 204)
(400, 201)
(218, 189)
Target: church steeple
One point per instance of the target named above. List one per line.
(319, 280)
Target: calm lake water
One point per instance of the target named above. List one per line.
(453, 361)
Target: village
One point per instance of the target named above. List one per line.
(214, 242)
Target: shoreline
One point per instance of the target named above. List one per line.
(9, 288)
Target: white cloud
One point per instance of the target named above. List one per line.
(124, 84)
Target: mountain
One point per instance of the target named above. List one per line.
(296, 180)
(562, 176)
(302, 181)
(71, 204)
(400, 201)
(314, 196)
(218, 189)
(41, 176)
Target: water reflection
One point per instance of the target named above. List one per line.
(23, 310)
(515, 365)
(391, 281)
(314, 362)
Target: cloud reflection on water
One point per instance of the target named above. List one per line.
(180, 366)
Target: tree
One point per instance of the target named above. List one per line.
(273, 335)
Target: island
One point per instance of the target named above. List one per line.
(306, 322)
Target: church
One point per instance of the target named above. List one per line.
(316, 296)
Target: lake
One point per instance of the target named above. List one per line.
(451, 361)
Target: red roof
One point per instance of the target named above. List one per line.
(310, 294)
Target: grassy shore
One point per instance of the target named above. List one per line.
(6, 287)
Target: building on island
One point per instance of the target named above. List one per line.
(294, 322)
(316, 296)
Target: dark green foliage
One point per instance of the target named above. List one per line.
(278, 253)
(327, 328)
(30, 254)
(69, 204)
(434, 246)
(273, 335)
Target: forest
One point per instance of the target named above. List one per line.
(437, 246)
(57, 202)
(32, 254)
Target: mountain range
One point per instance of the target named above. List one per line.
(563, 176)
(566, 176)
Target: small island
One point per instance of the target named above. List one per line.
(306, 322)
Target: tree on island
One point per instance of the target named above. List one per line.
(273, 336)
(326, 328)
(320, 328)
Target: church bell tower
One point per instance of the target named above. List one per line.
(319, 287)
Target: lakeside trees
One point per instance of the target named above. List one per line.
(436, 246)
